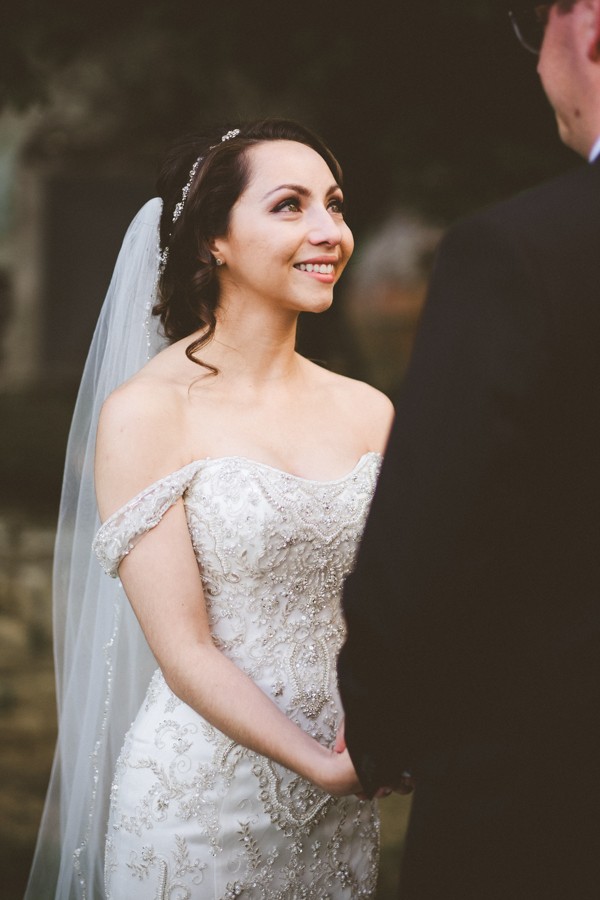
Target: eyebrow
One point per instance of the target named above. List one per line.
(299, 189)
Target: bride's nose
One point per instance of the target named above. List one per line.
(324, 229)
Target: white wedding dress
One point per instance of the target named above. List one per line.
(194, 815)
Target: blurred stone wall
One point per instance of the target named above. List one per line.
(26, 550)
(387, 288)
(27, 700)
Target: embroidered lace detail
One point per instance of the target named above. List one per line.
(167, 873)
(121, 531)
(189, 803)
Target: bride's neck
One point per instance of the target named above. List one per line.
(254, 347)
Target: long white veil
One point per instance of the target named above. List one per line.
(103, 663)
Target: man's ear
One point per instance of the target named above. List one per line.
(593, 50)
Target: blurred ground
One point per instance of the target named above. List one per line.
(27, 729)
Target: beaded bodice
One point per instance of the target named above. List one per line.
(273, 551)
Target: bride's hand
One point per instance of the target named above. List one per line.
(337, 775)
(340, 738)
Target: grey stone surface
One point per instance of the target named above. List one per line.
(27, 703)
(26, 552)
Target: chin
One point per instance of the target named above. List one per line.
(323, 306)
(317, 303)
(571, 138)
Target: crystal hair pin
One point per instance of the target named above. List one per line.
(186, 189)
(164, 254)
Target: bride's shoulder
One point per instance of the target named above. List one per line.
(356, 395)
(140, 439)
(150, 399)
(359, 402)
(138, 405)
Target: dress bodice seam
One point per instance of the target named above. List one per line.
(120, 531)
(207, 460)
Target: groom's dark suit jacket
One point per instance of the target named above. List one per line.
(473, 652)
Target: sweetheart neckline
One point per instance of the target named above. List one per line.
(286, 474)
(207, 460)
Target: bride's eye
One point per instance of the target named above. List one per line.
(290, 204)
(336, 205)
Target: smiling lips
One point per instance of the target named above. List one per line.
(322, 268)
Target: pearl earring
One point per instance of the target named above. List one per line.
(218, 261)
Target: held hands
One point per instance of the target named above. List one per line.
(340, 748)
(340, 775)
(405, 786)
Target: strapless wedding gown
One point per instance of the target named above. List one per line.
(194, 815)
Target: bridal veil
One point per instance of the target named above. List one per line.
(103, 663)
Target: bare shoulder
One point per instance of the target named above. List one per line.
(372, 410)
(369, 397)
(376, 408)
(139, 439)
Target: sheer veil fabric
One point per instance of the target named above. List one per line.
(103, 663)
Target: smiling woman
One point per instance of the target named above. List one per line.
(217, 175)
(299, 230)
(234, 478)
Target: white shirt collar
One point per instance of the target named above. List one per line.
(595, 151)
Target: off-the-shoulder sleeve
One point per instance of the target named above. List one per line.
(121, 531)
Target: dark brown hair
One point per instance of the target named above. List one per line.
(189, 289)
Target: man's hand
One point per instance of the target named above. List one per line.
(406, 784)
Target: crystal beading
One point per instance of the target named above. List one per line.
(186, 189)
(164, 254)
(274, 550)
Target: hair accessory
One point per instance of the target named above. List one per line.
(163, 258)
(186, 189)
(164, 253)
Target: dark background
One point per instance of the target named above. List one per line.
(430, 106)
(431, 103)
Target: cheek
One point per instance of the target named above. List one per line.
(250, 252)
(347, 243)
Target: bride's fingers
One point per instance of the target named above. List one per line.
(383, 792)
(340, 740)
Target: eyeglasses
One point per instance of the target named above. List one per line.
(529, 22)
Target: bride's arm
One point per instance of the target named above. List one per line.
(162, 581)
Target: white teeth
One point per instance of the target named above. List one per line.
(323, 269)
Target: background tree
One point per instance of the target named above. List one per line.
(431, 104)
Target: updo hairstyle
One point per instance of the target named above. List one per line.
(188, 295)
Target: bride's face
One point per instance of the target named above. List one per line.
(287, 242)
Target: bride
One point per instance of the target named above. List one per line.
(198, 705)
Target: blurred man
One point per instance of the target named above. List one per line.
(473, 651)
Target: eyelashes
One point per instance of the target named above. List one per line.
(338, 203)
(290, 204)
(294, 204)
